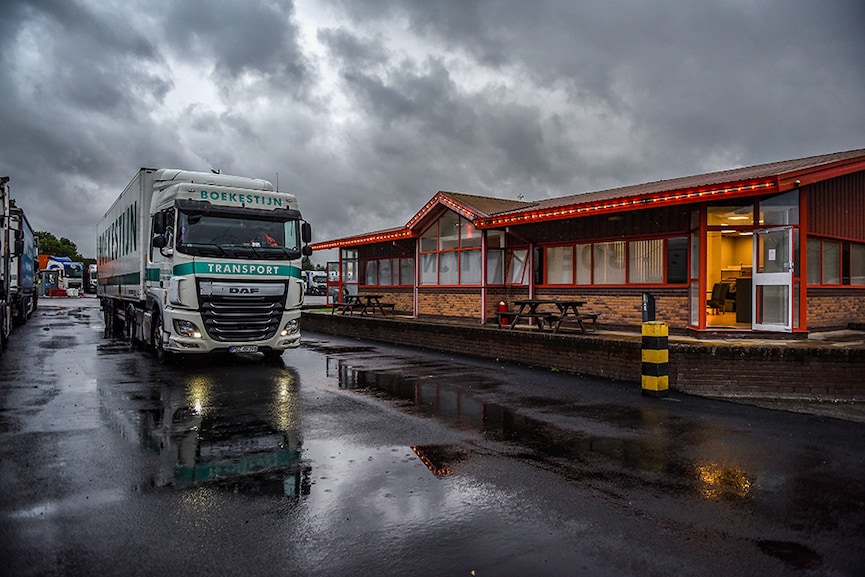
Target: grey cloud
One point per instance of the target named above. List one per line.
(256, 37)
(641, 90)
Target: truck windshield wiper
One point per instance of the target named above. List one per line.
(204, 249)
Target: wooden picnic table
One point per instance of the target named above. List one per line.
(363, 303)
(564, 310)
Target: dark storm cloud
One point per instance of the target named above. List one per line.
(727, 78)
(75, 87)
(366, 114)
(252, 37)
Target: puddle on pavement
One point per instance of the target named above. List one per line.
(611, 447)
(214, 427)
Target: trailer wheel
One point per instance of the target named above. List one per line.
(130, 326)
(163, 356)
(108, 318)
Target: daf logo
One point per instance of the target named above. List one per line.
(240, 290)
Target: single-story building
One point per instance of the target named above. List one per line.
(774, 247)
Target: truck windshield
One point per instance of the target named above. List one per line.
(222, 235)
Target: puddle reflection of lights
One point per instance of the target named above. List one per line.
(426, 455)
(285, 404)
(719, 481)
(198, 394)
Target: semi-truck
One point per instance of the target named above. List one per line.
(92, 274)
(316, 282)
(18, 249)
(61, 276)
(195, 262)
(23, 289)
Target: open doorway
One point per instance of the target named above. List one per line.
(729, 266)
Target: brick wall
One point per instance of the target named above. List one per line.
(450, 303)
(771, 370)
(835, 308)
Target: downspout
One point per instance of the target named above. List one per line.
(484, 289)
(416, 283)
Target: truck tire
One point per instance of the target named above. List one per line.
(108, 318)
(163, 356)
(129, 327)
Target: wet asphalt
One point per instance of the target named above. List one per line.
(351, 457)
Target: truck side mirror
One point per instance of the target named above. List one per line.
(306, 250)
(19, 248)
(306, 232)
(159, 223)
(160, 241)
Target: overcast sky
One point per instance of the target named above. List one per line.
(365, 109)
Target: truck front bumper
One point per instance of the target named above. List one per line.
(285, 338)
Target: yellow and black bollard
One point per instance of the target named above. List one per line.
(656, 356)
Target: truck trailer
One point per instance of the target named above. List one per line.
(195, 263)
(23, 290)
(18, 250)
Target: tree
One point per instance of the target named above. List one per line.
(49, 244)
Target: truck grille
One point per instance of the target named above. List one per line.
(242, 319)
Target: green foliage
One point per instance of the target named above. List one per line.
(49, 244)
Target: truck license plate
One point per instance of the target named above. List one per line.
(243, 349)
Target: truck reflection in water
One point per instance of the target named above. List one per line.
(216, 426)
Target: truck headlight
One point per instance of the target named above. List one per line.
(186, 329)
(291, 326)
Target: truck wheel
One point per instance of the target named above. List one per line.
(108, 318)
(163, 356)
(129, 326)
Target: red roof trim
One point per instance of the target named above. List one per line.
(669, 198)
(373, 237)
(442, 198)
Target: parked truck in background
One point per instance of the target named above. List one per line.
(61, 276)
(18, 249)
(92, 278)
(5, 263)
(194, 262)
(316, 282)
(23, 290)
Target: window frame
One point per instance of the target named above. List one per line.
(452, 250)
(580, 269)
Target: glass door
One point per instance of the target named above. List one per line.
(334, 286)
(772, 302)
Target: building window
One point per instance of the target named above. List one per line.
(406, 271)
(517, 272)
(677, 260)
(451, 252)
(646, 262)
(831, 268)
(560, 264)
(495, 266)
(834, 262)
(857, 264)
(388, 271)
(609, 262)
